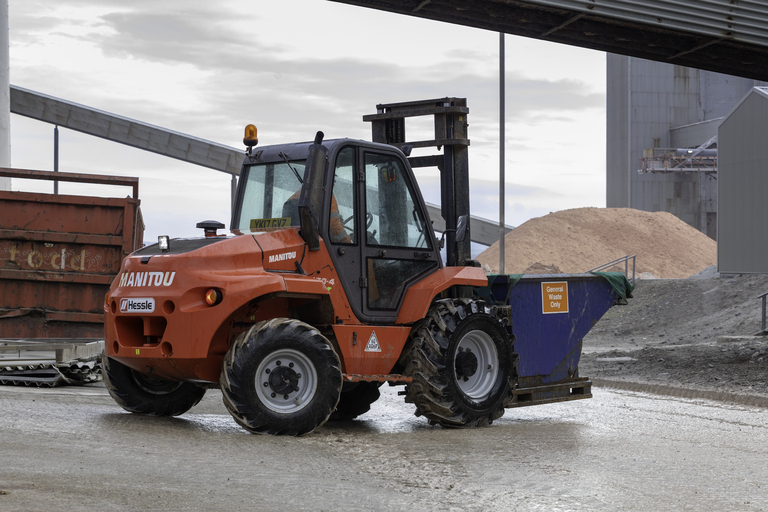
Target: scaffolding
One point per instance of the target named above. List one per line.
(674, 160)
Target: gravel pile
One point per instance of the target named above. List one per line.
(696, 334)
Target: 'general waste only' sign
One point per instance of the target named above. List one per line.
(554, 297)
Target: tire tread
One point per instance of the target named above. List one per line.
(426, 360)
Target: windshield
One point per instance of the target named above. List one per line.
(271, 196)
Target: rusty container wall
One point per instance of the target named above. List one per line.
(59, 254)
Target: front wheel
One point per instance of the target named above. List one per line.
(463, 364)
(143, 394)
(281, 377)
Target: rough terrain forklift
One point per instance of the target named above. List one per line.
(330, 284)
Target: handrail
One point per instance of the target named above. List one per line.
(763, 296)
(99, 179)
(625, 260)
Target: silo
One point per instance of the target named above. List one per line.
(658, 105)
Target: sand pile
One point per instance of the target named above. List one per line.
(577, 240)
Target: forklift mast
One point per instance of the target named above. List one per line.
(450, 116)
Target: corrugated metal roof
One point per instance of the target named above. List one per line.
(726, 36)
(745, 20)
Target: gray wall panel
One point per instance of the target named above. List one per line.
(617, 147)
(695, 134)
(743, 187)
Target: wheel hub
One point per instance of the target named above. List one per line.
(283, 380)
(476, 365)
(466, 364)
(286, 381)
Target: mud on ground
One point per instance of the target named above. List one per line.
(695, 334)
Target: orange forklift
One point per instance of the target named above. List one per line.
(330, 284)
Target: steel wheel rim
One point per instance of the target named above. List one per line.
(299, 364)
(479, 385)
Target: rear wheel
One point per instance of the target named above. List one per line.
(356, 399)
(281, 377)
(462, 363)
(143, 394)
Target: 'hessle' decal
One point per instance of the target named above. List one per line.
(137, 305)
(136, 279)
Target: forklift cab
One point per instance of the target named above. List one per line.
(373, 222)
(391, 244)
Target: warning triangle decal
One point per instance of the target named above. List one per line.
(373, 343)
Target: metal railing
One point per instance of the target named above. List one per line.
(763, 297)
(626, 259)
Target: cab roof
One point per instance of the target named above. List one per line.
(300, 150)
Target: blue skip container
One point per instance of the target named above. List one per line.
(551, 314)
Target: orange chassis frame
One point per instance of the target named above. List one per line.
(259, 277)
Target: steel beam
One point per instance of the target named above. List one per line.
(126, 131)
(482, 231)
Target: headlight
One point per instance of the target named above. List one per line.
(213, 297)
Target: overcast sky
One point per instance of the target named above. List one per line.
(293, 67)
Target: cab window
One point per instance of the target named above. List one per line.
(342, 224)
(271, 196)
(392, 218)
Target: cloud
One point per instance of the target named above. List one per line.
(202, 37)
(239, 74)
(207, 69)
(199, 35)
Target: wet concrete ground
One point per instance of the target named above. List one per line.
(74, 449)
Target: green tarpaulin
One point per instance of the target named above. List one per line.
(619, 282)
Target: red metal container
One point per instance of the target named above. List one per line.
(60, 253)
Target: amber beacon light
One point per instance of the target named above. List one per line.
(250, 138)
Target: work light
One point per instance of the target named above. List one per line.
(164, 242)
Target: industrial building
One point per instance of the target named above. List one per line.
(662, 123)
(743, 182)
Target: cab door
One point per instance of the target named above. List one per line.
(386, 244)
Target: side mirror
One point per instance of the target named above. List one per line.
(311, 198)
(388, 174)
(462, 226)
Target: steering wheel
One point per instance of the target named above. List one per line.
(368, 220)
